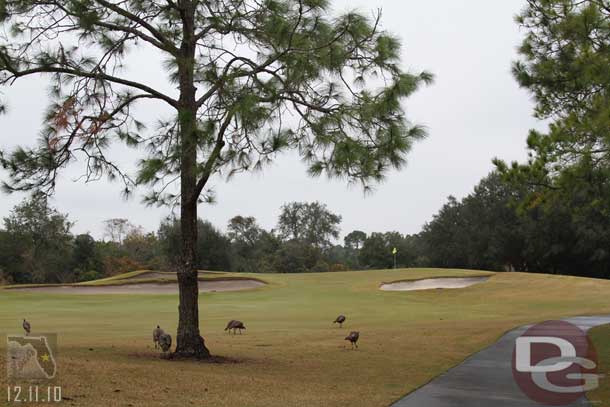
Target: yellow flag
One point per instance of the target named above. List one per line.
(394, 251)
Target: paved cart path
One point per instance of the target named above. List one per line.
(485, 379)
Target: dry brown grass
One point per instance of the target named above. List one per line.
(601, 339)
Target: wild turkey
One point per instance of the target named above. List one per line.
(165, 341)
(353, 338)
(230, 325)
(340, 320)
(235, 325)
(157, 332)
(26, 327)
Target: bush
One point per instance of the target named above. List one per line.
(4, 279)
(119, 265)
(89, 275)
(338, 267)
(320, 267)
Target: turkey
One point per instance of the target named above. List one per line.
(353, 338)
(230, 325)
(165, 342)
(26, 327)
(235, 325)
(340, 320)
(157, 332)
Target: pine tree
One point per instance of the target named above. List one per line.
(565, 64)
(254, 78)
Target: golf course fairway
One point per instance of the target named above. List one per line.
(290, 353)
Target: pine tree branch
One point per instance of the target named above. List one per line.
(164, 45)
(16, 73)
(142, 22)
(209, 165)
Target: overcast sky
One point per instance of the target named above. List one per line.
(474, 112)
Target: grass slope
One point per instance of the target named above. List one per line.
(291, 354)
(139, 277)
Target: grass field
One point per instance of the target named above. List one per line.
(601, 339)
(290, 354)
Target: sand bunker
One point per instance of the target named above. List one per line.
(433, 283)
(148, 288)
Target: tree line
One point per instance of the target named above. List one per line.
(510, 226)
(37, 245)
(497, 227)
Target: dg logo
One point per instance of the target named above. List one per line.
(555, 363)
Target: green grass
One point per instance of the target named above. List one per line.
(138, 277)
(601, 340)
(291, 354)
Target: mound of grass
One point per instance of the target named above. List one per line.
(141, 277)
(291, 353)
(103, 281)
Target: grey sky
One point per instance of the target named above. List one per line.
(474, 112)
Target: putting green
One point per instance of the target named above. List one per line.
(291, 353)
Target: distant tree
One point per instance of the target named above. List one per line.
(213, 248)
(340, 258)
(13, 252)
(311, 223)
(116, 229)
(406, 248)
(4, 278)
(496, 232)
(240, 68)
(42, 242)
(482, 231)
(244, 230)
(86, 262)
(375, 253)
(350, 255)
(414, 251)
(355, 239)
(249, 244)
(143, 248)
(492, 229)
(377, 250)
(296, 256)
(264, 255)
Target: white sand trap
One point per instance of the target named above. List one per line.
(147, 288)
(433, 283)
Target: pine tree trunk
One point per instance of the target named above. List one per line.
(189, 342)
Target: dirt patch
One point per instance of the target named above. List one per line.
(433, 283)
(147, 288)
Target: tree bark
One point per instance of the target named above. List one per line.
(189, 342)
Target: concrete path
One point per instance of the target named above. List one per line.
(485, 379)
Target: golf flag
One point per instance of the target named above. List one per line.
(394, 251)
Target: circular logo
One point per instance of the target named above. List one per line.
(555, 363)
